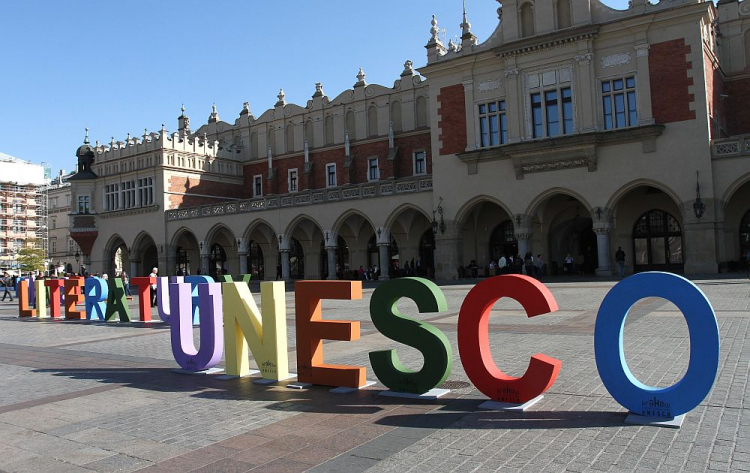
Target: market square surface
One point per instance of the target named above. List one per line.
(80, 396)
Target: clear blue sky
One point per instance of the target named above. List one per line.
(122, 66)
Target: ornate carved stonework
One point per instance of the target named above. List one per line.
(602, 230)
(511, 73)
(616, 59)
(524, 236)
(584, 59)
(488, 85)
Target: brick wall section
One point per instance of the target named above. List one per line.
(401, 166)
(452, 119)
(202, 191)
(669, 66)
(737, 108)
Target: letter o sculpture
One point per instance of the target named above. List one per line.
(637, 397)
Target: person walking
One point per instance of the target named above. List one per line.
(154, 274)
(125, 282)
(620, 259)
(7, 282)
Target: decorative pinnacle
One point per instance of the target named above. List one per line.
(360, 78)
(86, 139)
(434, 31)
(183, 111)
(465, 26)
(281, 98)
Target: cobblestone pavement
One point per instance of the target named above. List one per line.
(78, 396)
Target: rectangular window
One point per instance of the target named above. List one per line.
(552, 112)
(145, 191)
(54, 223)
(127, 197)
(111, 197)
(331, 175)
(53, 245)
(257, 186)
(619, 103)
(83, 204)
(420, 163)
(493, 124)
(373, 173)
(292, 180)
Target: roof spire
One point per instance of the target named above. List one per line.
(466, 34)
(182, 109)
(86, 139)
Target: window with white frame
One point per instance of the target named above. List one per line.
(493, 124)
(552, 112)
(619, 103)
(331, 175)
(128, 195)
(373, 172)
(111, 197)
(292, 180)
(53, 245)
(420, 163)
(84, 204)
(257, 185)
(146, 191)
(19, 225)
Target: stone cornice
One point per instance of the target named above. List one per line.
(127, 212)
(546, 41)
(561, 152)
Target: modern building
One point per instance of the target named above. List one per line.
(21, 193)
(574, 129)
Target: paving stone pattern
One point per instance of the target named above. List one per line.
(83, 396)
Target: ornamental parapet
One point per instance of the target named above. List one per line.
(309, 197)
(732, 147)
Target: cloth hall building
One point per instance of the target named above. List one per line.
(574, 129)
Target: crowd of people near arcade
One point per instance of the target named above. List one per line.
(530, 265)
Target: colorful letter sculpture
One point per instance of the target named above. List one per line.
(96, 291)
(227, 278)
(73, 296)
(264, 331)
(194, 281)
(704, 345)
(311, 330)
(55, 294)
(162, 295)
(143, 284)
(431, 342)
(473, 339)
(41, 299)
(24, 299)
(117, 303)
(181, 326)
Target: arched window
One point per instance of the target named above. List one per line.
(372, 121)
(329, 130)
(503, 241)
(745, 237)
(351, 124)
(254, 145)
(422, 119)
(527, 20)
(657, 242)
(289, 138)
(309, 134)
(396, 116)
(563, 14)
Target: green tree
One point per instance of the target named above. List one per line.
(31, 257)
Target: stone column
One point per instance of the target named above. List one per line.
(385, 261)
(603, 248)
(331, 253)
(205, 263)
(699, 245)
(243, 263)
(448, 252)
(134, 269)
(242, 252)
(586, 79)
(514, 93)
(524, 241)
(285, 265)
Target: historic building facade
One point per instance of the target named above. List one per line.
(574, 129)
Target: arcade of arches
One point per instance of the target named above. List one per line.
(645, 221)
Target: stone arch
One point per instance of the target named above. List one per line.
(564, 14)
(526, 19)
(396, 116)
(733, 188)
(112, 266)
(225, 257)
(408, 224)
(402, 208)
(262, 248)
(357, 230)
(336, 227)
(618, 195)
(308, 234)
(144, 254)
(533, 206)
(468, 207)
(289, 138)
(329, 130)
(422, 115)
(372, 121)
(309, 133)
(185, 250)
